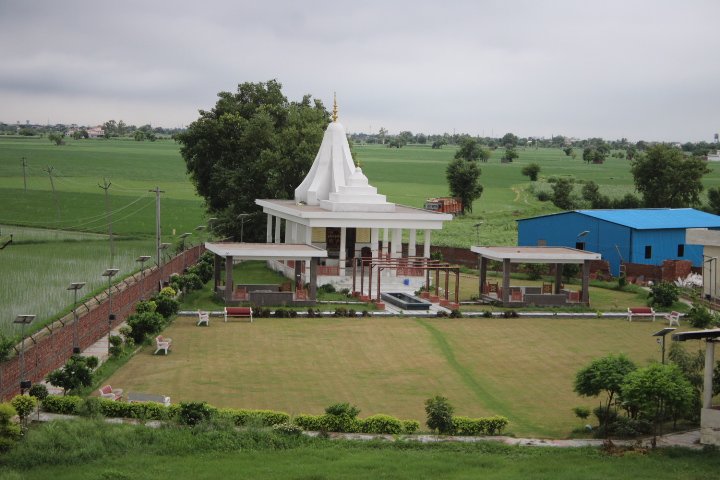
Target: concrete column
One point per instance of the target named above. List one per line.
(278, 221)
(708, 379)
(293, 233)
(374, 241)
(229, 287)
(268, 233)
(396, 243)
(558, 277)
(482, 267)
(426, 241)
(386, 240)
(506, 281)
(343, 255)
(585, 299)
(218, 267)
(411, 242)
(307, 238)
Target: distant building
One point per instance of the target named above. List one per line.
(96, 132)
(713, 157)
(645, 236)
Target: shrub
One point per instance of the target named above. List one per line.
(9, 431)
(191, 281)
(699, 317)
(309, 422)
(203, 270)
(441, 314)
(663, 294)
(343, 409)
(439, 414)
(193, 413)
(77, 372)
(145, 321)
(479, 426)
(327, 288)
(341, 312)
(534, 271)
(168, 292)
(167, 306)
(543, 196)
(69, 405)
(281, 313)
(510, 314)
(266, 418)
(410, 426)
(581, 412)
(287, 428)
(455, 313)
(381, 424)
(116, 345)
(487, 314)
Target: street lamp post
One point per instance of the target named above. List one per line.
(109, 273)
(242, 218)
(477, 231)
(661, 340)
(23, 320)
(75, 286)
(142, 259)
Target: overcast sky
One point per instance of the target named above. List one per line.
(637, 69)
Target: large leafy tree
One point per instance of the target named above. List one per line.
(463, 178)
(665, 177)
(604, 375)
(253, 144)
(658, 392)
(470, 149)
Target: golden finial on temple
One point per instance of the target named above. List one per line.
(334, 114)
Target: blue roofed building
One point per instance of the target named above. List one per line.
(644, 235)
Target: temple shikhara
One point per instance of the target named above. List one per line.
(337, 211)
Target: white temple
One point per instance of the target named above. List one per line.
(335, 208)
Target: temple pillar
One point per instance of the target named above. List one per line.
(426, 244)
(307, 239)
(374, 242)
(411, 242)
(278, 221)
(313, 279)
(386, 240)
(268, 232)
(396, 243)
(343, 253)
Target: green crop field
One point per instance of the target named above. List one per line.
(520, 368)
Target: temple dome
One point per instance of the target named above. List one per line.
(335, 183)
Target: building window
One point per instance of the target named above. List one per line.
(648, 251)
(681, 250)
(579, 245)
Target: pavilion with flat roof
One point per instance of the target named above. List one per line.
(294, 254)
(548, 293)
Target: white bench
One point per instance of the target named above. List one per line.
(640, 312)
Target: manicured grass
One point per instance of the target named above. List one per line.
(521, 368)
(83, 449)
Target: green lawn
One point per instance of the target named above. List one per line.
(521, 368)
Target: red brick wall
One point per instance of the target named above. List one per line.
(668, 272)
(50, 348)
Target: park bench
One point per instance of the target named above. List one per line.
(203, 318)
(241, 312)
(163, 343)
(146, 397)
(673, 317)
(111, 393)
(640, 312)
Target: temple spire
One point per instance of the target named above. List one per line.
(334, 114)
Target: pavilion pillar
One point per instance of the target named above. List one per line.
(396, 243)
(307, 235)
(482, 267)
(229, 287)
(293, 233)
(313, 278)
(343, 254)
(268, 232)
(558, 277)
(298, 275)
(426, 244)
(506, 281)
(374, 242)
(585, 299)
(218, 268)
(411, 242)
(278, 221)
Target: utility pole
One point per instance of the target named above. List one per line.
(24, 164)
(49, 171)
(106, 186)
(158, 232)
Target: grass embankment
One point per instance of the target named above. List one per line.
(520, 368)
(87, 450)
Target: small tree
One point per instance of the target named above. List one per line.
(510, 154)
(56, 138)
(145, 321)
(664, 294)
(562, 194)
(463, 179)
(24, 406)
(76, 373)
(439, 414)
(531, 171)
(9, 431)
(606, 375)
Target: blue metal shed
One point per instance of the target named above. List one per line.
(645, 235)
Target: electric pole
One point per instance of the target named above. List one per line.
(106, 186)
(158, 232)
(49, 171)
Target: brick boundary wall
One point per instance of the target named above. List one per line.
(49, 348)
